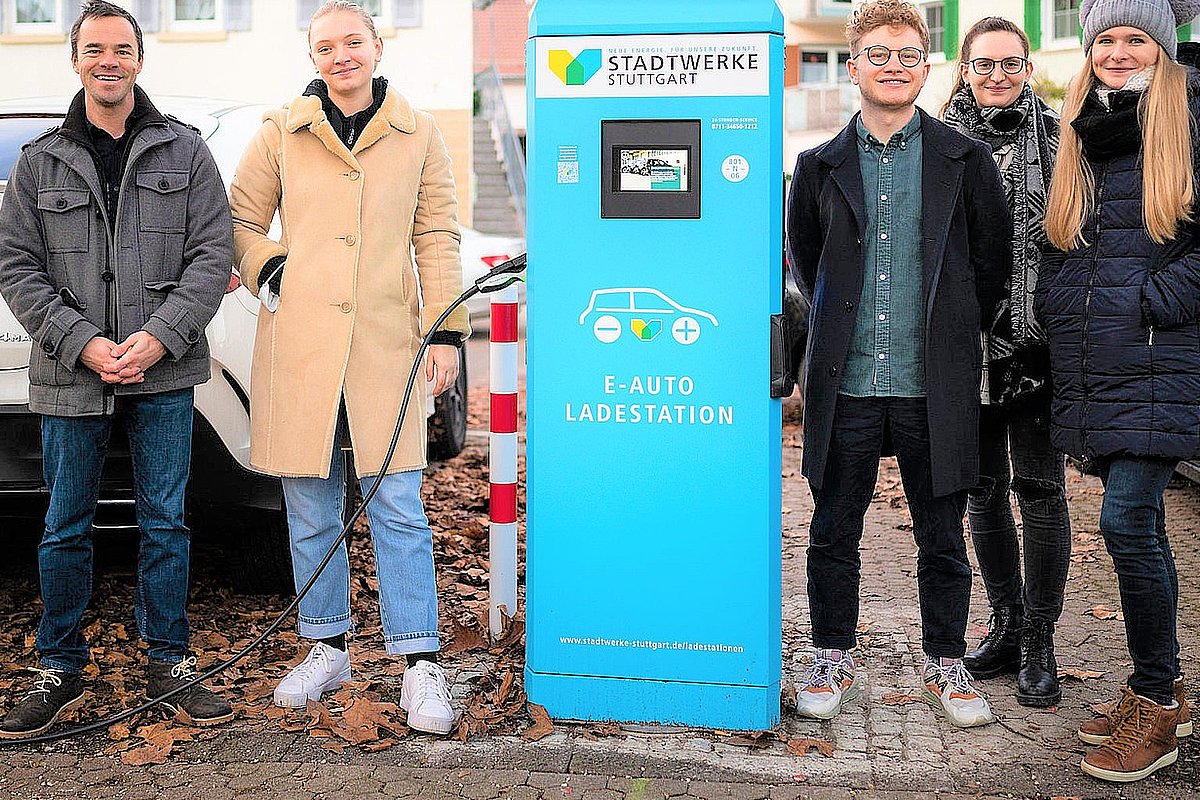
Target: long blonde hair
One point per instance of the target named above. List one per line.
(1167, 181)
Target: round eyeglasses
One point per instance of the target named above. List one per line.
(879, 55)
(1010, 66)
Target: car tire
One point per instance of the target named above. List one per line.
(447, 426)
(259, 550)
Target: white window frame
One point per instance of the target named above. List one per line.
(935, 55)
(1049, 40)
(217, 23)
(384, 18)
(33, 28)
(832, 77)
(828, 71)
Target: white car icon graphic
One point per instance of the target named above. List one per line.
(606, 304)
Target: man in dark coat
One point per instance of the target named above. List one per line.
(899, 234)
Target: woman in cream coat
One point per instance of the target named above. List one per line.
(360, 180)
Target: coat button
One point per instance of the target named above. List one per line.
(48, 347)
(833, 370)
(354, 175)
(193, 336)
(61, 203)
(162, 183)
(350, 240)
(347, 307)
(107, 276)
(849, 306)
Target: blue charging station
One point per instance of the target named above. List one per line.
(655, 181)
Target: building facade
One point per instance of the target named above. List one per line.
(257, 51)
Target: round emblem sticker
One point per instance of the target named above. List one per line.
(735, 169)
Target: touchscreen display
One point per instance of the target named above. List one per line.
(643, 170)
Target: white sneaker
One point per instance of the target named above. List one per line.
(426, 698)
(324, 669)
(948, 689)
(830, 683)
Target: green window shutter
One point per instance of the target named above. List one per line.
(1184, 32)
(950, 21)
(1033, 23)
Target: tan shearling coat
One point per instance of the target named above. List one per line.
(348, 319)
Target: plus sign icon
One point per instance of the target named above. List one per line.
(686, 330)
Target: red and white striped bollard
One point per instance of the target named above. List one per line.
(502, 460)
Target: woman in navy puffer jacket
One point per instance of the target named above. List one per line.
(1121, 307)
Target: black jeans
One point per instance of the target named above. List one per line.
(1036, 477)
(834, 566)
(1133, 524)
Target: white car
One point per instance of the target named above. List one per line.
(480, 253)
(223, 494)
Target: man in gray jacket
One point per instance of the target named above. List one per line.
(115, 250)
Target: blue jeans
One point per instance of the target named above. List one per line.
(1036, 477)
(860, 426)
(73, 451)
(403, 544)
(1133, 524)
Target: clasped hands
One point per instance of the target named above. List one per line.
(123, 363)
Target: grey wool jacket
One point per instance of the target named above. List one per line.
(68, 273)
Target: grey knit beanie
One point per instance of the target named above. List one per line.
(1158, 18)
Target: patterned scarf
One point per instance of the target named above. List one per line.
(1024, 147)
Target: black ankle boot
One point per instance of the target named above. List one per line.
(1037, 682)
(1000, 650)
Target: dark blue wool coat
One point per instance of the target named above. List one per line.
(1123, 318)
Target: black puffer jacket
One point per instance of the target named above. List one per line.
(1123, 319)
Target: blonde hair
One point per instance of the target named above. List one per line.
(1168, 188)
(882, 13)
(331, 6)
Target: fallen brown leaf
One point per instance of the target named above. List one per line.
(1104, 612)
(464, 638)
(899, 698)
(756, 740)
(801, 747)
(542, 725)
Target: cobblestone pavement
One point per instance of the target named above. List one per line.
(885, 748)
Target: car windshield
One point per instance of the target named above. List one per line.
(14, 132)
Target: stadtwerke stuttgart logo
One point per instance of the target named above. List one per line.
(575, 70)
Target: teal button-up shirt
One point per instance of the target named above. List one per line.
(886, 355)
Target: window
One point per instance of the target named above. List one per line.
(405, 13)
(843, 74)
(814, 67)
(1063, 22)
(378, 11)
(195, 15)
(34, 16)
(935, 19)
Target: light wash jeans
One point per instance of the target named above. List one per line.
(403, 544)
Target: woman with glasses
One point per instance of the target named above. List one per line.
(994, 102)
(1120, 299)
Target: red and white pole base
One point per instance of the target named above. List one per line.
(502, 460)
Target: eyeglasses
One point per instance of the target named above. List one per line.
(1011, 65)
(879, 55)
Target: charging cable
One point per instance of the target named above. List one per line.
(501, 277)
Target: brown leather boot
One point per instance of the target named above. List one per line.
(1095, 731)
(1143, 741)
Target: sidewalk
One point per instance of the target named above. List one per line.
(889, 747)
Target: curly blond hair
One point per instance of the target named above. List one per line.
(880, 13)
